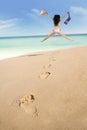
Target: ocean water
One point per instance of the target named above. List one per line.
(17, 46)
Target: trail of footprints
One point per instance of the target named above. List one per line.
(27, 102)
(45, 74)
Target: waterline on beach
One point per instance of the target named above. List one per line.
(17, 46)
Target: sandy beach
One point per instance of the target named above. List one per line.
(44, 91)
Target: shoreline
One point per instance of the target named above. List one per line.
(44, 51)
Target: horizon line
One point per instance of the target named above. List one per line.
(39, 35)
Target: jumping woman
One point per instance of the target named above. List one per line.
(57, 21)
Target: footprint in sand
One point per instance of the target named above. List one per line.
(27, 104)
(52, 58)
(26, 99)
(47, 66)
(44, 75)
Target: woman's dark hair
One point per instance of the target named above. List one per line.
(56, 19)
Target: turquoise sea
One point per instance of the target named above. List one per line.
(17, 46)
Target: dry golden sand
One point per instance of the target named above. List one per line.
(44, 91)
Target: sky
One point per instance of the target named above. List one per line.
(22, 17)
